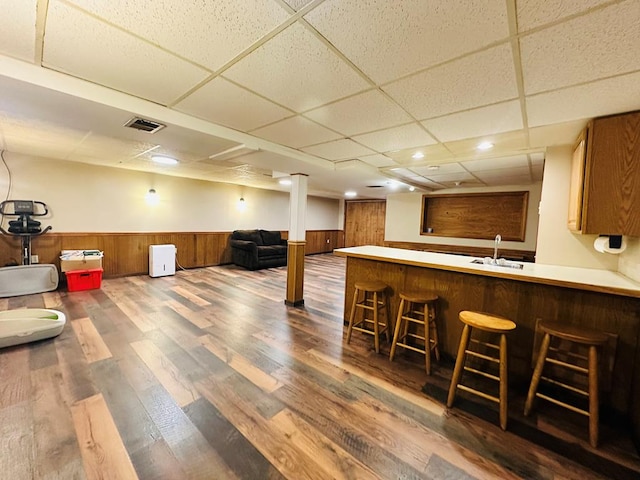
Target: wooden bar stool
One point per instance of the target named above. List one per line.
(487, 323)
(374, 299)
(418, 308)
(593, 340)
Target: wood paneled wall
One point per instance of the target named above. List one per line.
(128, 253)
(364, 222)
(518, 255)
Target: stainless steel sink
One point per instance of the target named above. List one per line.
(500, 262)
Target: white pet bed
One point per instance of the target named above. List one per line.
(28, 279)
(29, 325)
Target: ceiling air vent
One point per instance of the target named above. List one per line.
(148, 126)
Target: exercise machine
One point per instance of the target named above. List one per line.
(25, 226)
(25, 279)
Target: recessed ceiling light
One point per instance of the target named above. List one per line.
(412, 189)
(164, 160)
(484, 146)
(417, 155)
(350, 194)
(285, 181)
(433, 167)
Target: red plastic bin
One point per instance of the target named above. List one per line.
(78, 280)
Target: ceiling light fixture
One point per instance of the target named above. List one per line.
(285, 181)
(350, 194)
(412, 189)
(417, 155)
(484, 146)
(433, 167)
(164, 160)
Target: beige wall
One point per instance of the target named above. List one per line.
(87, 198)
(556, 244)
(629, 262)
(404, 211)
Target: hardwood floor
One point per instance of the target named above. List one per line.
(209, 375)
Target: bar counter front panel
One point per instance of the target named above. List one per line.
(612, 306)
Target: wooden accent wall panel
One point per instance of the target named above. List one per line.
(476, 215)
(128, 253)
(323, 241)
(518, 255)
(364, 222)
(523, 303)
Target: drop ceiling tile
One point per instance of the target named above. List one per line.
(486, 175)
(499, 118)
(493, 164)
(441, 169)
(396, 138)
(17, 30)
(534, 13)
(604, 97)
(458, 85)
(297, 70)
(378, 160)
(557, 134)
(296, 132)
(222, 102)
(579, 50)
(82, 46)
(338, 150)
(297, 4)
(374, 34)
(217, 31)
(504, 143)
(511, 180)
(432, 153)
(362, 113)
(450, 177)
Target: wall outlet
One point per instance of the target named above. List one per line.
(327, 240)
(35, 259)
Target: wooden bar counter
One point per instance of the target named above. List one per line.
(597, 299)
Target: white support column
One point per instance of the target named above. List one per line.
(297, 240)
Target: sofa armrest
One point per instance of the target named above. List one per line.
(245, 245)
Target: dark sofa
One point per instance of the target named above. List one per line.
(255, 249)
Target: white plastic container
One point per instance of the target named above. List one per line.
(29, 325)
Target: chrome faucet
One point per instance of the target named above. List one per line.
(495, 248)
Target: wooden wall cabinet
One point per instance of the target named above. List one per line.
(611, 194)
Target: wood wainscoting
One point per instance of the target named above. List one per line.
(518, 255)
(128, 253)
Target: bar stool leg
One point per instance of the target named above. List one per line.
(376, 328)
(503, 381)
(427, 342)
(432, 321)
(593, 396)
(460, 359)
(537, 373)
(387, 315)
(353, 315)
(396, 332)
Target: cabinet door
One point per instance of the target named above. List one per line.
(576, 188)
(612, 176)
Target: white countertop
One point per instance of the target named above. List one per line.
(572, 277)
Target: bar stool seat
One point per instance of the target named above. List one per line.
(592, 339)
(418, 308)
(374, 299)
(487, 323)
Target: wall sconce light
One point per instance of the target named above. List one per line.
(152, 197)
(242, 205)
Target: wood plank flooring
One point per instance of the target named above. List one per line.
(209, 375)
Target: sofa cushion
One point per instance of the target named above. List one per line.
(248, 235)
(272, 251)
(270, 237)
